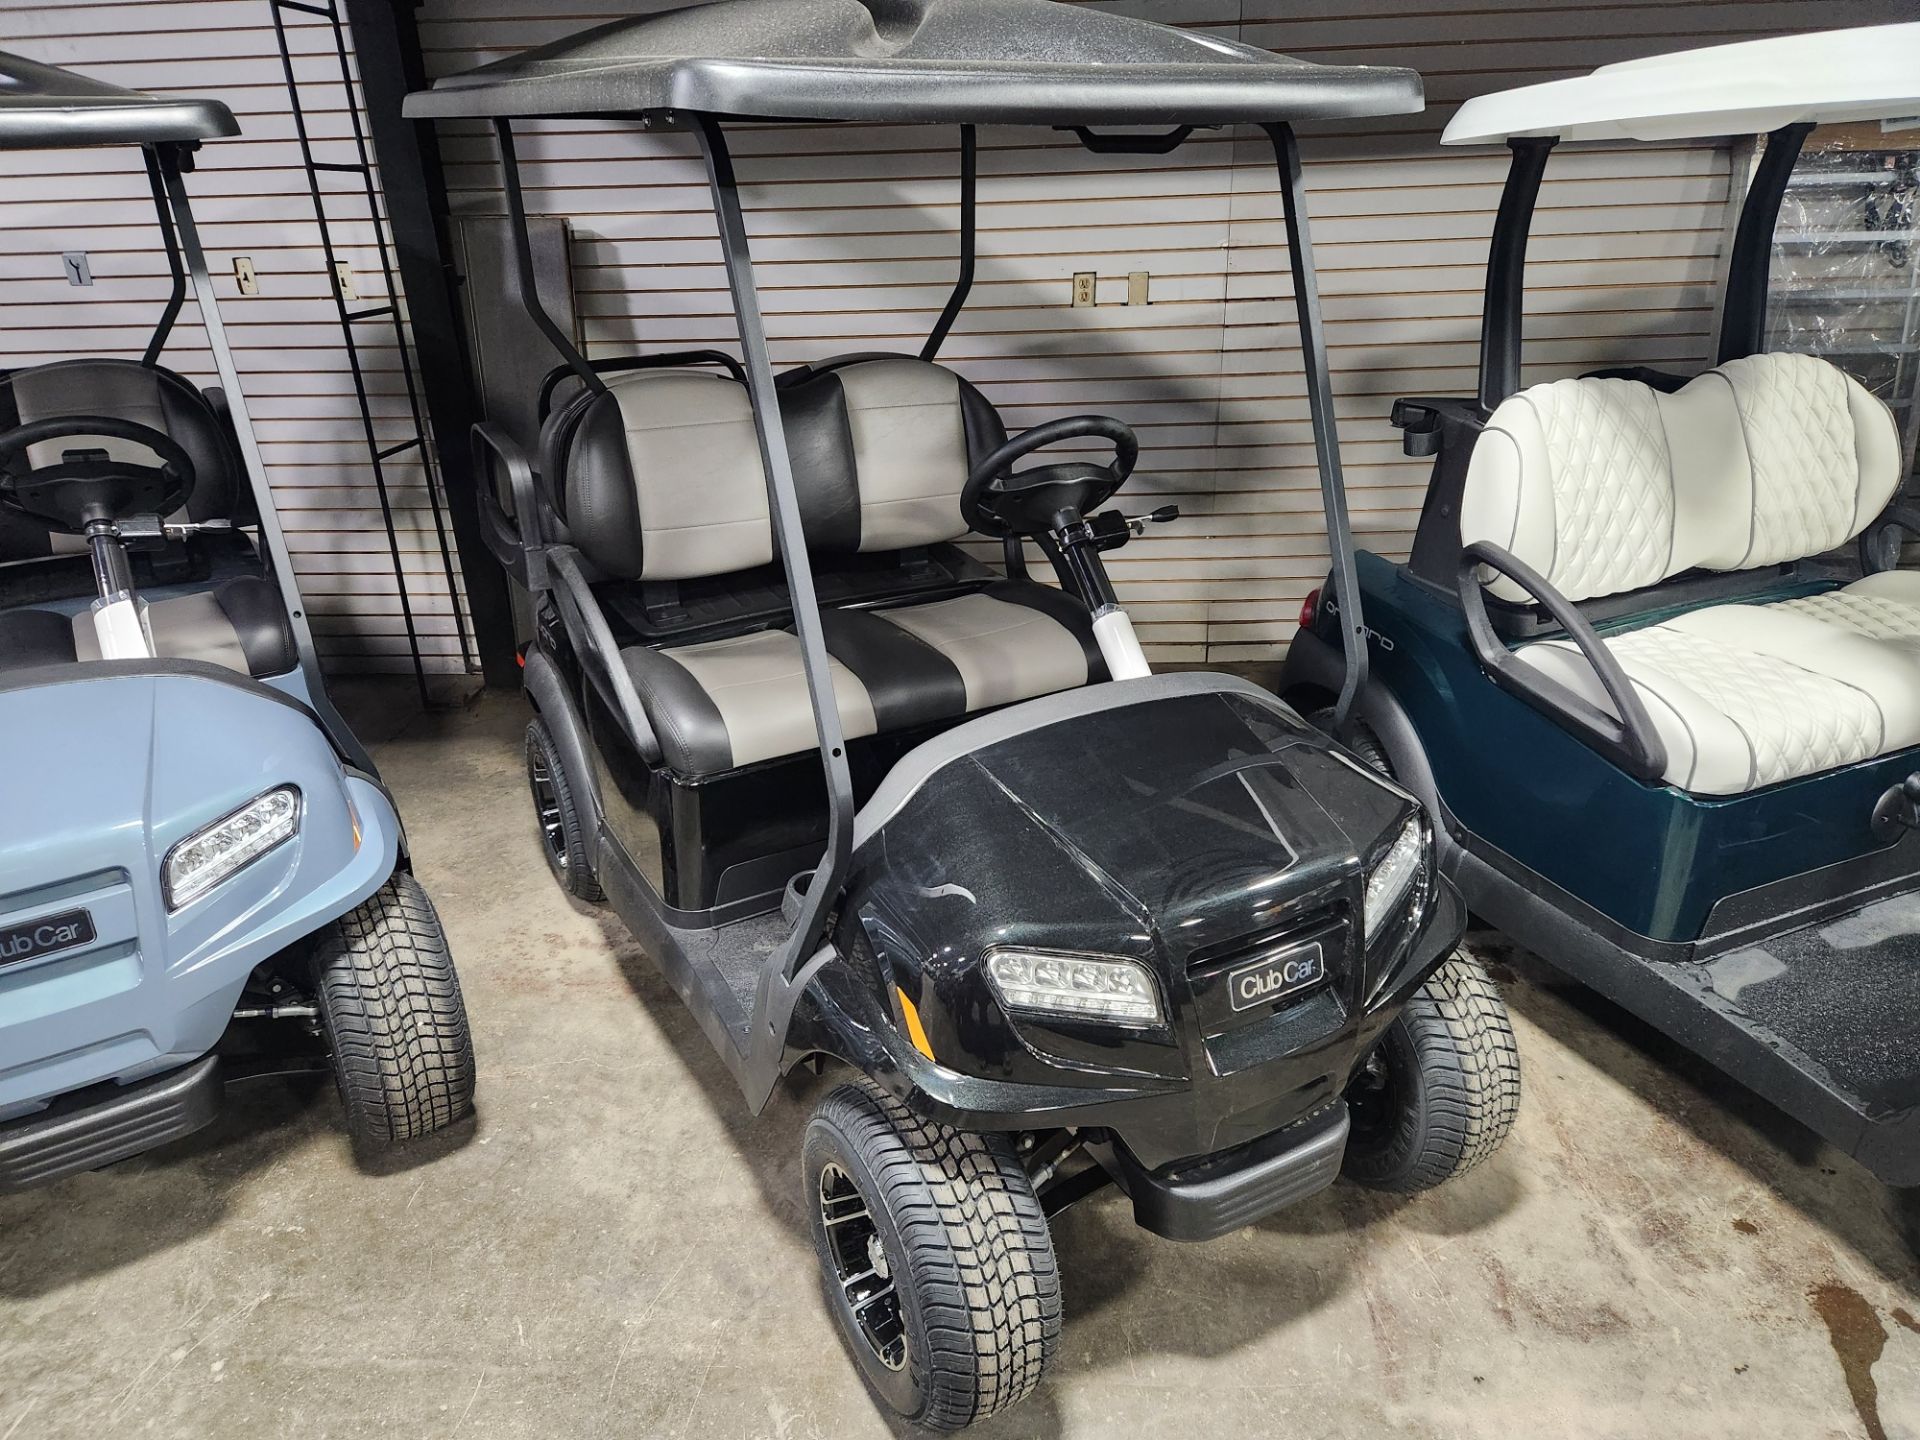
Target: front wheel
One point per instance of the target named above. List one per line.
(1440, 1092)
(395, 1025)
(938, 1264)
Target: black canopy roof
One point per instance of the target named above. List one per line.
(1015, 62)
(43, 107)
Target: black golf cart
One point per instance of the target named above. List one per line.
(864, 799)
(1664, 709)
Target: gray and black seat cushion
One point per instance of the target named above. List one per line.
(725, 703)
(241, 625)
(663, 481)
(126, 390)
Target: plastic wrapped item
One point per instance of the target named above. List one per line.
(1846, 264)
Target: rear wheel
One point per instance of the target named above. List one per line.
(394, 1021)
(1360, 740)
(938, 1265)
(563, 839)
(1440, 1092)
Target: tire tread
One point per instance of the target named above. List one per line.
(394, 1019)
(979, 1251)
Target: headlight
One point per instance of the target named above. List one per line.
(1393, 877)
(206, 857)
(1074, 987)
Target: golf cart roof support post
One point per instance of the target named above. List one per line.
(1326, 433)
(203, 293)
(1503, 312)
(969, 224)
(177, 297)
(523, 262)
(784, 502)
(1743, 319)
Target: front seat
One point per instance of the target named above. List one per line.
(241, 625)
(149, 395)
(662, 480)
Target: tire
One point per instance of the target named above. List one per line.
(394, 1022)
(1440, 1092)
(1360, 740)
(974, 1313)
(563, 839)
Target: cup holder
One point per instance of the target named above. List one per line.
(795, 896)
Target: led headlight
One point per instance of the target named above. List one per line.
(206, 857)
(1393, 877)
(1074, 987)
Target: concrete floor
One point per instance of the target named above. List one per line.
(615, 1248)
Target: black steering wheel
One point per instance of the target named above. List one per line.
(87, 485)
(997, 502)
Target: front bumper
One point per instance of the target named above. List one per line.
(106, 1123)
(1214, 1195)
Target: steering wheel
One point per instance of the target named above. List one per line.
(997, 502)
(86, 487)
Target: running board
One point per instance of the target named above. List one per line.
(1818, 1021)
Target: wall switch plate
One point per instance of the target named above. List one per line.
(79, 269)
(343, 277)
(244, 275)
(1086, 289)
(1139, 283)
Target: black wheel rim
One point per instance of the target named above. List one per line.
(1374, 1100)
(546, 803)
(861, 1267)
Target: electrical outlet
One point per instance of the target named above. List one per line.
(343, 277)
(1139, 283)
(79, 269)
(245, 276)
(1086, 289)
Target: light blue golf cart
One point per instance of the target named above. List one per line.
(201, 875)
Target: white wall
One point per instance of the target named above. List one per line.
(853, 231)
(853, 236)
(251, 199)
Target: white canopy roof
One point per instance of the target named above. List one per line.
(1868, 73)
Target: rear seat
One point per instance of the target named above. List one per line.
(1607, 486)
(662, 480)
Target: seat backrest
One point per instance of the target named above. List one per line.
(882, 448)
(125, 390)
(663, 478)
(1605, 486)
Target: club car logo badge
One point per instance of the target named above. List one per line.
(44, 936)
(1275, 977)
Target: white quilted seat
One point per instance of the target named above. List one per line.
(1607, 486)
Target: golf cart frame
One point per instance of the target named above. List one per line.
(1673, 904)
(1140, 114)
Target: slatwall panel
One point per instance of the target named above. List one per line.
(853, 235)
(250, 195)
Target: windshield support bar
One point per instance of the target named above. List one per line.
(268, 517)
(1743, 320)
(969, 226)
(523, 263)
(1503, 311)
(778, 978)
(177, 297)
(1326, 436)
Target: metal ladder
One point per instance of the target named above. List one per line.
(389, 313)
